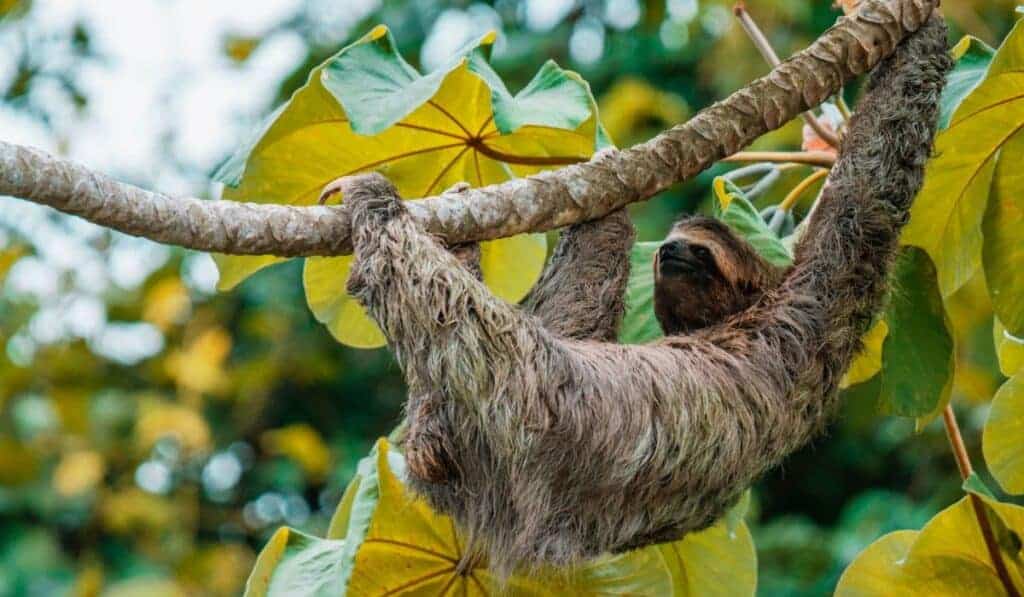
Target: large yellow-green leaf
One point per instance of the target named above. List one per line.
(1003, 229)
(714, 562)
(395, 543)
(947, 217)
(1003, 438)
(878, 569)
(948, 557)
(366, 109)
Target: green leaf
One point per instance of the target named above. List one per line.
(972, 59)
(975, 485)
(294, 563)
(985, 130)
(1003, 437)
(377, 88)
(639, 325)
(555, 97)
(366, 109)
(735, 209)
(917, 367)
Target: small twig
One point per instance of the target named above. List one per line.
(844, 108)
(769, 174)
(764, 184)
(765, 48)
(751, 170)
(794, 195)
(823, 159)
(963, 462)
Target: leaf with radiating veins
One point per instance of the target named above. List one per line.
(366, 109)
(384, 540)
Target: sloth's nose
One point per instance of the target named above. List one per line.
(673, 249)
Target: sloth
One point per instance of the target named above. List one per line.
(548, 442)
(703, 273)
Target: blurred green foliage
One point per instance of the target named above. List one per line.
(167, 475)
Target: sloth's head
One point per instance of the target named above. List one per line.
(703, 273)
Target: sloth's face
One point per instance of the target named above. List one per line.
(704, 273)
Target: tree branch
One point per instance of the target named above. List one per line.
(548, 200)
(768, 53)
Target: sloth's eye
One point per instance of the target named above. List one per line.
(701, 253)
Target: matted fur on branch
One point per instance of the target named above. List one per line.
(547, 442)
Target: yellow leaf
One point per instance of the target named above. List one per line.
(89, 580)
(985, 130)
(266, 562)
(878, 571)
(238, 48)
(301, 443)
(384, 539)
(8, 257)
(18, 464)
(1003, 437)
(161, 419)
(78, 472)
(458, 124)
(133, 510)
(339, 521)
(869, 361)
(200, 366)
(217, 569)
(1009, 348)
(714, 562)
(166, 303)
(632, 105)
(948, 557)
(144, 585)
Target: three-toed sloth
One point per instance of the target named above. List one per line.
(550, 443)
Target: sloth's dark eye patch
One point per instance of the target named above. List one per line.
(701, 252)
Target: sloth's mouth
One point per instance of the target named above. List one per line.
(674, 264)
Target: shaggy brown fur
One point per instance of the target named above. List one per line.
(554, 446)
(704, 273)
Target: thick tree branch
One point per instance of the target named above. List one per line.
(549, 200)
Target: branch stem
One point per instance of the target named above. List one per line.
(963, 462)
(768, 53)
(794, 195)
(822, 159)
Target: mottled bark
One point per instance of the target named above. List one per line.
(549, 200)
